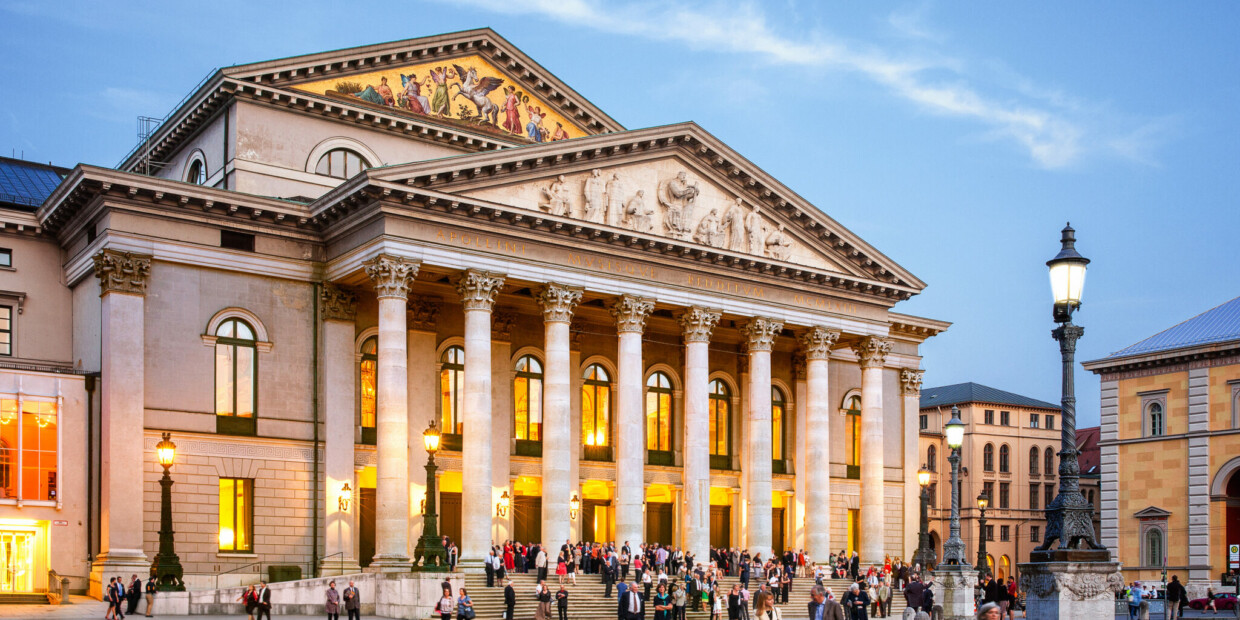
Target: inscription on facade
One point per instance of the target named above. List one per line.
(482, 242)
(822, 303)
(600, 263)
(727, 286)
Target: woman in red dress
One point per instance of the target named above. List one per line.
(509, 564)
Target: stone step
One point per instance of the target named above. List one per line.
(23, 598)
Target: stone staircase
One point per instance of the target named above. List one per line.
(586, 602)
(23, 598)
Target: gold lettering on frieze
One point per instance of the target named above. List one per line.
(819, 303)
(599, 263)
(727, 286)
(482, 242)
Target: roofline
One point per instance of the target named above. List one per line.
(988, 402)
(61, 170)
(1164, 357)
(916, 327)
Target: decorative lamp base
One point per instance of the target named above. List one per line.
(1070, 589)
(953, 585)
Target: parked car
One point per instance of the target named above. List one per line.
(1222, 602)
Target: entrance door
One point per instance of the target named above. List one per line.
(450, 516)
(596, 520)
(527, 519)
(366, 537)
(16, 561)
(777, 531)
(659, 523)
(721, 527)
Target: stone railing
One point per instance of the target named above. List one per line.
(57, 588)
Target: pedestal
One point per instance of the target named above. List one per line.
(953, 590)
(1071, 590)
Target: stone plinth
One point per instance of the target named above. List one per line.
(953, 591)
(1070, 589)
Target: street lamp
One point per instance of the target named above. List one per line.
(574, 505)
(429, 551)
(983, 500)
(166, 570)
(953, 549)
(924, 554)
(346, 496)
(501, 507)
(1069, 518)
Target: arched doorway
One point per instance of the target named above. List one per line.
(936, 546)
(1233, 519)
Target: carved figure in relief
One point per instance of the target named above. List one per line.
(778, 245)
(615, 200)
(754, 231)
(594, 187)
(734, 221)
(710, 230)
(636, 216)
(677, 196)
(556, 196)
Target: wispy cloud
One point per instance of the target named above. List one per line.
(1045, 123)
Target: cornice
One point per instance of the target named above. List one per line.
(1208, 354)
(916, 328)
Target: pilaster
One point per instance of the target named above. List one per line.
(910, 391)
(338, 395)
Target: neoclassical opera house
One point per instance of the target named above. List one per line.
(314, 258)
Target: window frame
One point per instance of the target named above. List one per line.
(660, 455)
(1005, 493)
(1158, 528)
(1035, 492)
(369, 434)
(363, 163)
(231, 423)
(603, 451)
(719, 395)
(988, 416)
(1005, 533)
(1048, 462)
(1048, 495)
(1005, 459)
(248, 487)
(1050, 421)
(988, 458)
(6, 258)
(779, 431)
(852, 421)
(1234, 386)
(452, 438)
(1005, 418)
(932, 457)
(1035, 457)
(1034, 420)
(530, 377)
(6, 348)
(1035, 533)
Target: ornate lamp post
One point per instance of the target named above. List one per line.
(429, 556)
(574, 507)
(924, 555)
(983, 500)
(166, 571)
(953, 572)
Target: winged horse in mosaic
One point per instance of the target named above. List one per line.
(477, 91)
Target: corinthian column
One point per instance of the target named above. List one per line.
(392, 276)
(478, 290)
(122, 288)
(697, 324)
(630, 312)
(557, 301)
(338, 309)
(910, 389)
(760, 333)
(872, 354)
(816, 344)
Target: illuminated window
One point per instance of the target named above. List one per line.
(236, 515)
(236, 371)
(341, 163)
(852, 437)
(932, 457)
(596, 407)
(778, 405)
(1004, 458)
(370, 387)
(659, 412)
(28, 450)
(6, 330)
(720, 418)
(988, 458)
(451, 387)
(527, 389)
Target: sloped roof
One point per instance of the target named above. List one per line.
(26, 183)
(961, 393)
(1218, 324)
(1091, 455)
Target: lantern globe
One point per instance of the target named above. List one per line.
(923, 477)
(1067, 272)
(983, 500)
(165, 451)
(954, 430)
(430, 437)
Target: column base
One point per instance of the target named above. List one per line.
(122, 563)
(338, 566)
(1070, 589)
(390, 564)
(953, 586)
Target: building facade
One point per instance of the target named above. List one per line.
(1010, 452)
(1170, 449)
(306, 265)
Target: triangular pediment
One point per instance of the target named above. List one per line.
(678, 183)
(1152, 512)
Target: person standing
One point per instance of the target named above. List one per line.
(465, 606)
(631, 606)
(882, 599)
(609, 577)
(561, 603)
(150, 596)
(510, 600)
(1177, 596)
(109, 595)
(913, 597)
(332, 605)
(444, 606)
(352, 602)
(262, 604)
(678, 602)
(858, 601)
(489, 566)
(823, 608)
(540, 563)
(662, 604)
(133, 595)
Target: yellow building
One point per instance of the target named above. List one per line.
(1170, 446)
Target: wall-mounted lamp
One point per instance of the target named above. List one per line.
(501, 507)
(574, 506)
(346, 496)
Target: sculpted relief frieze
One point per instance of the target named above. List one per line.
(663, 198)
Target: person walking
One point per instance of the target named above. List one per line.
(332, 605)
(1135, 597)
(561, 603)
(150, 597)
(913, 597)
(510, 600)
(464, 606)
(262, 601)
(444, 606)
(109, 595)
(352, 602)
(822, 607)
(858, 601)
(249, 598)
(1177, 597)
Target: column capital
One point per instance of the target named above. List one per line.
(391, 275)
(697, 323)
(501, 326)
(558, 301)
(799, 368)
(872, 351)
(122, 272)
(631, 312)
(910, 382)
(478, 288)
(817, 341)
(337, 303)
(760, 333)
(423, 313)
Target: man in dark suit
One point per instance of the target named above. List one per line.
(823, 608)
(353, 602)
(609, 577)
(264, 602)
(854, 567)
(510, 600)
(632, 607)
(914, 593)
(489, 565)
(745, 574)
(133, 595)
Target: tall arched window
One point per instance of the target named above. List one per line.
(659, 415)
(236, 377)
(596, 408)
(527, 389)
(720, 420)
(852, 437)
(1004, 459)
(1048, 464)
(779, 404)
(1034, 456)
(451, 388)
(341, 163)
(1157, 423)
(932, 458)
(1153, 547)
(369, 388)
(988, 457)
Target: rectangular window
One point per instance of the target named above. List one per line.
(6, 257)
(990, 491)
(1034, 490)
(990, 416)
(1003, 495)
(934, 494)
(1049, 495)
(234, 240)
(1005, 418)
(1033, 420)
(28, 450)
(1050, 422)
(1005, 533)
(236, 515)
(925, 421)
(854, 528)
(6, 330)
(990, 533)
(1035, 534)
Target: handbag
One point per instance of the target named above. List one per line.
(468, 614)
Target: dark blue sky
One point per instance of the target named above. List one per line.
(956, 138)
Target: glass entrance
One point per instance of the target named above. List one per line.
(16, 561)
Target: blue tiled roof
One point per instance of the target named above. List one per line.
(961, 393)
(27, 183)
(1219, 324)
